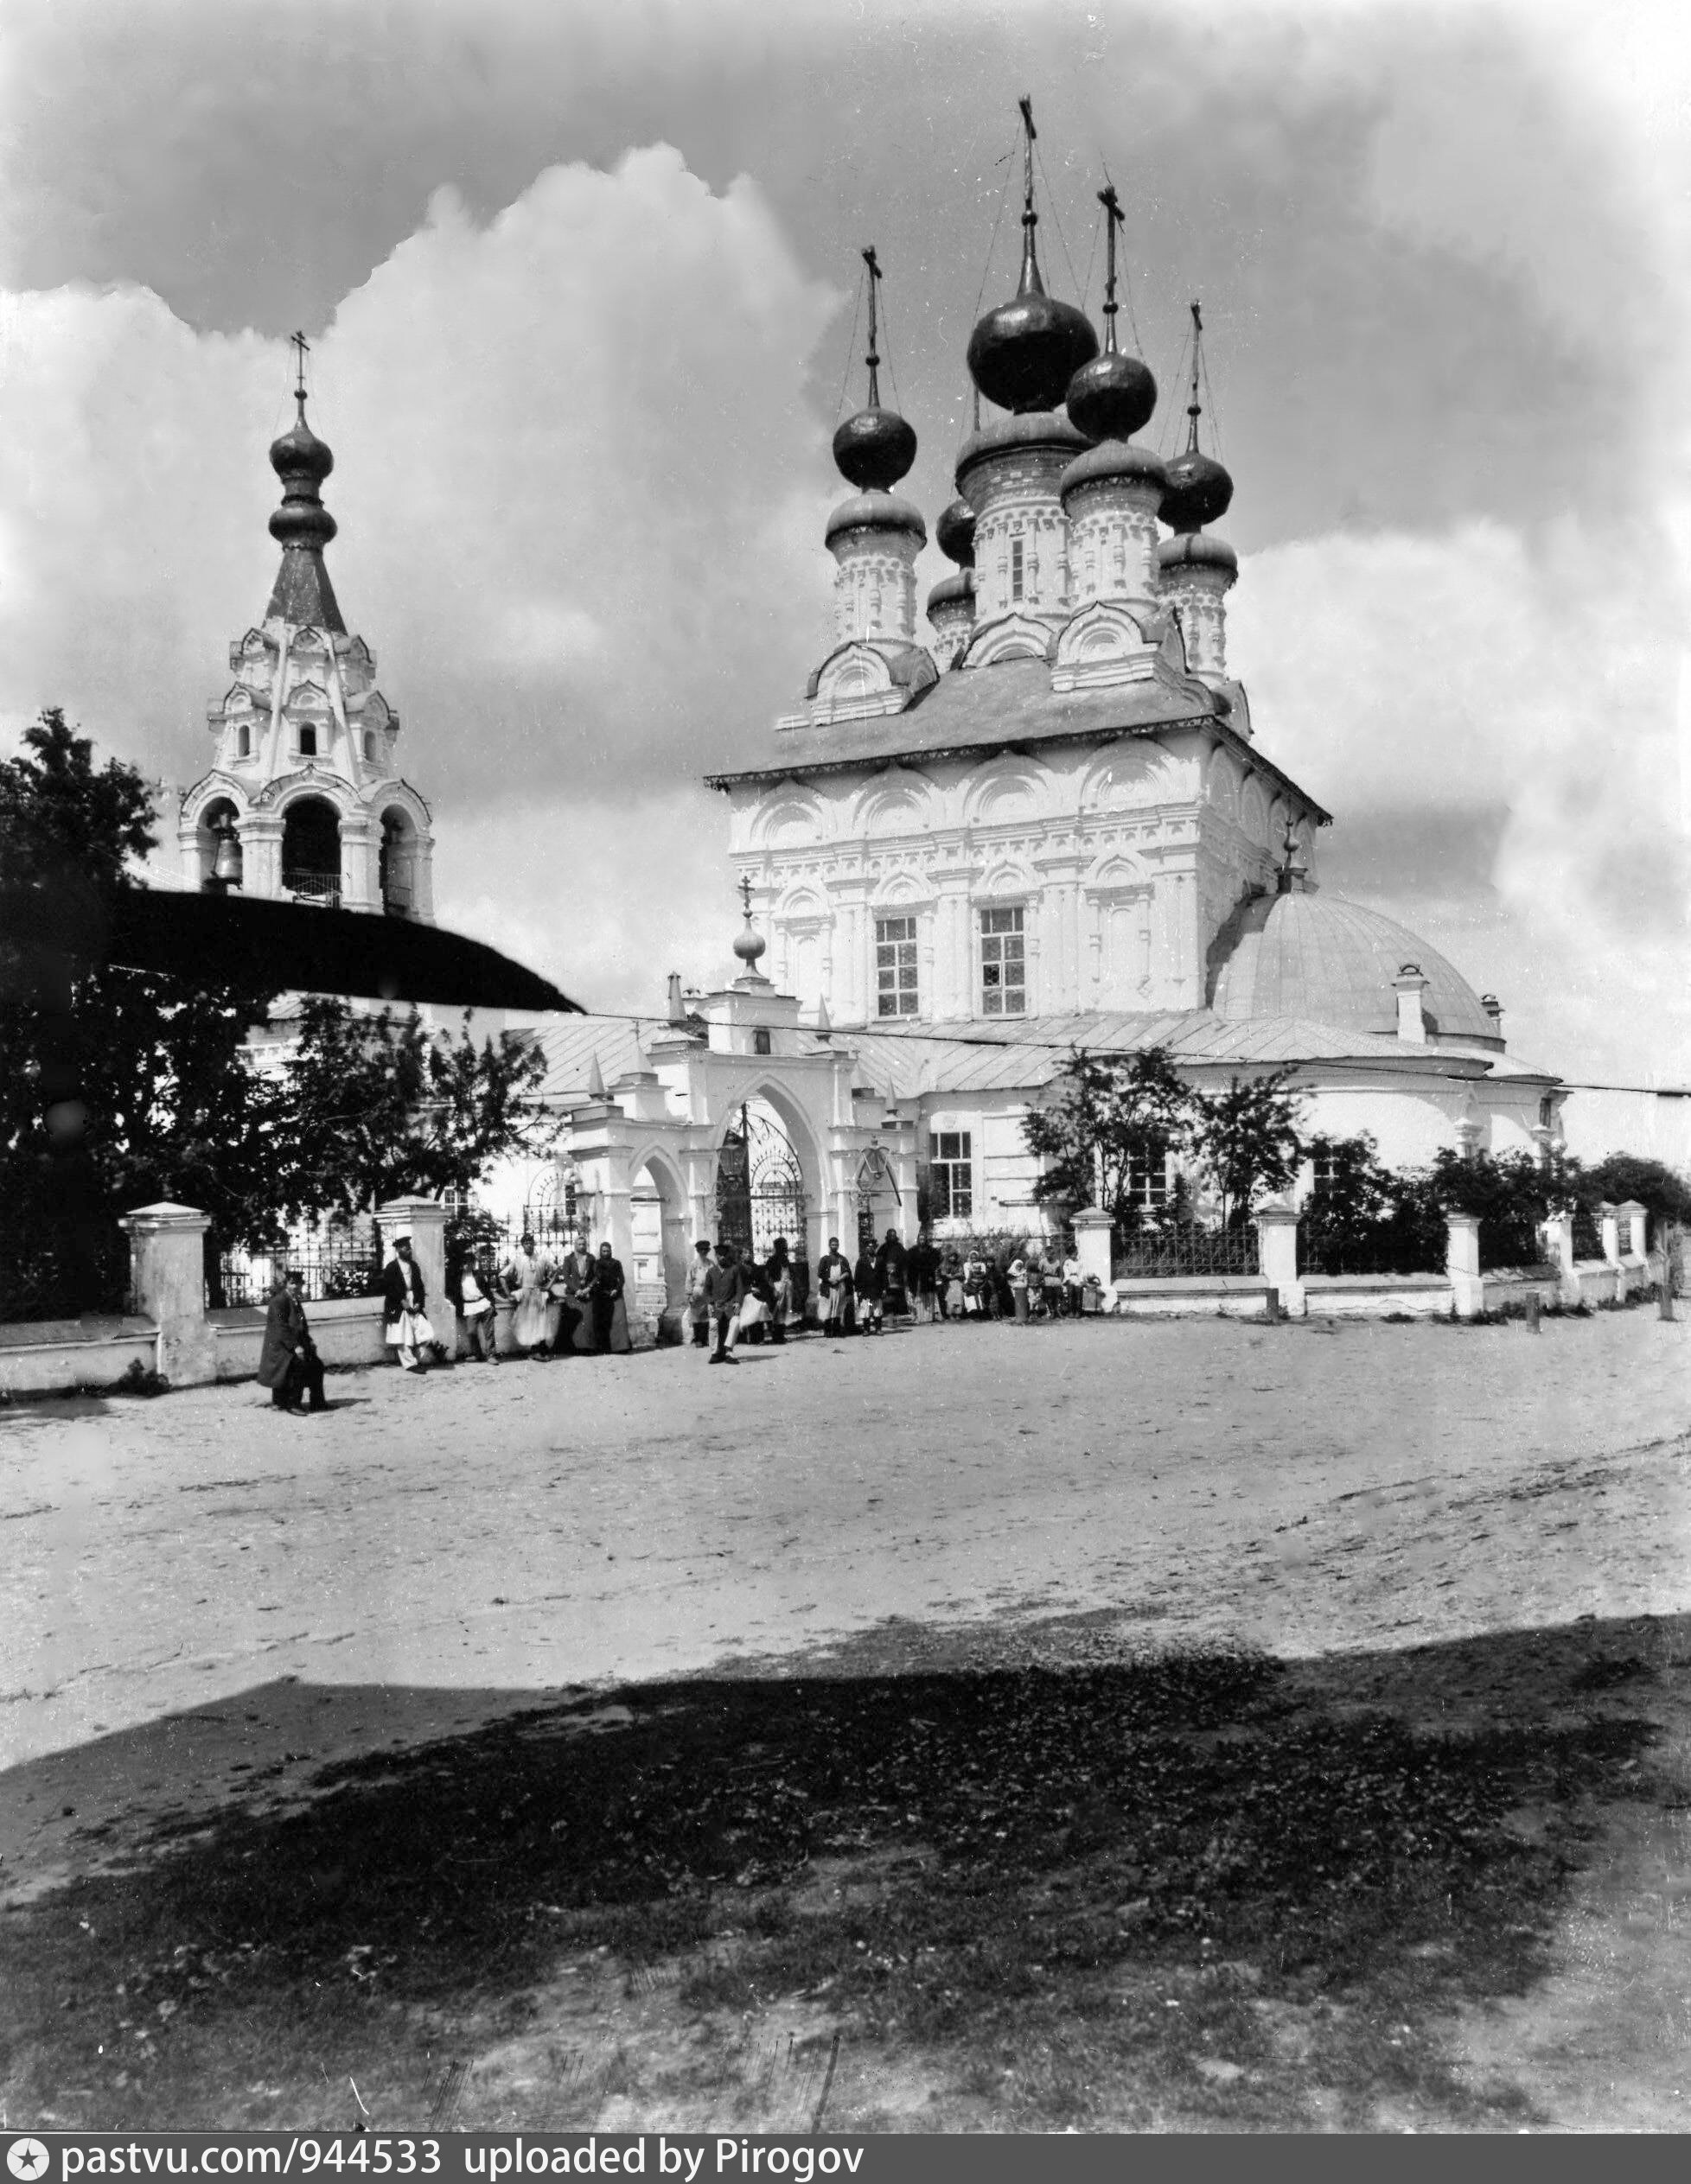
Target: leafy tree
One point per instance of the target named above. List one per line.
(1654, 1185)
(1511, 1192)
(1247, 1137)
(116, 1086)
(1115, 1117)
(1363, 1218)
(379, 1106)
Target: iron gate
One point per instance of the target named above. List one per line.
(760, 1187)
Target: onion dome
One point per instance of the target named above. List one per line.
(1192, 549)
(1199, 488)
(1332, 962)
(1024, 354)
(956, 590)
(1199, 491)
(954, 534)
(1111, 397)
(874, 449)
(876, 511)
(302, 462)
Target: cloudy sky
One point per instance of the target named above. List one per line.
(581, 283)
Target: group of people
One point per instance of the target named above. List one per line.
(289, 1365)
(731, 1297)
(558, 1306)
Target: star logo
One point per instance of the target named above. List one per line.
(28, 2159)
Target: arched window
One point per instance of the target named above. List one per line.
(311, 851)
(244, 740)
(398, 865)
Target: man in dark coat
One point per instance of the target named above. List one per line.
(724, 1285)
(289, 1365)
(834, 1282)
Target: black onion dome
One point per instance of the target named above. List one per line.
(300, 453)
(1024, 354)
(1199, 490)
(302, 462)
(1111, 397)
(874, 449)
(954, 534)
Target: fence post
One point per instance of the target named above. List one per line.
(1608, 1217)
(1462, 1264)
(166, 1246)
(1559, 1250)
(1277, 1255)
(423, 1219)
(1092, 1232)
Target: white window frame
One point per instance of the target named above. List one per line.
(983, 937)
(959, 1164)
(890, 955)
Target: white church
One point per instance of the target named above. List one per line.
(1050, 823)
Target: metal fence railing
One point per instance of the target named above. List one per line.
(1180, 1248)
(336, 1262)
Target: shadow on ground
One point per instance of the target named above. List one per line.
(1029, 1879)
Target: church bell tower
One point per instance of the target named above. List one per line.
(303, 802)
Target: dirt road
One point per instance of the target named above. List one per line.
(205, 1596)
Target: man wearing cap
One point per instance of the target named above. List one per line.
(288, 1364)
(405, 1324)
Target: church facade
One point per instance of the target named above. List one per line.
(1054, 823)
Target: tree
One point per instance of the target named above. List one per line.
(379, 1106)
(1651, 1183)
(1115, 1118)
(116, 1086)
(1247, 1137)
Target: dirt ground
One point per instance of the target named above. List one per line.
(1438, 1552)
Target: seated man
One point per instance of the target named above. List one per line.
(289, 1365)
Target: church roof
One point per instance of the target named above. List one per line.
(901, 1061)
(1012, 702)
(1318, 956)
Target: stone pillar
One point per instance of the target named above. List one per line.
(1092, 1231)
(167, 1247)
(423, 1219)
(1463, 1266)
(1559, 1250)
(1277, 1255)
(1634, 1218)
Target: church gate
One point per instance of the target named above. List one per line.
(760, 1185)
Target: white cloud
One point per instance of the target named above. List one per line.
(574, 477)
(1414, 680)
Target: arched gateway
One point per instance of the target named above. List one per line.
(760, 1188)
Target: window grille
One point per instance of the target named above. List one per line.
(1016, 569)
(895, 967)
(951, 1175)
(1004, 980)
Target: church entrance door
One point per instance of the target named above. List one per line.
(760, 1184)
